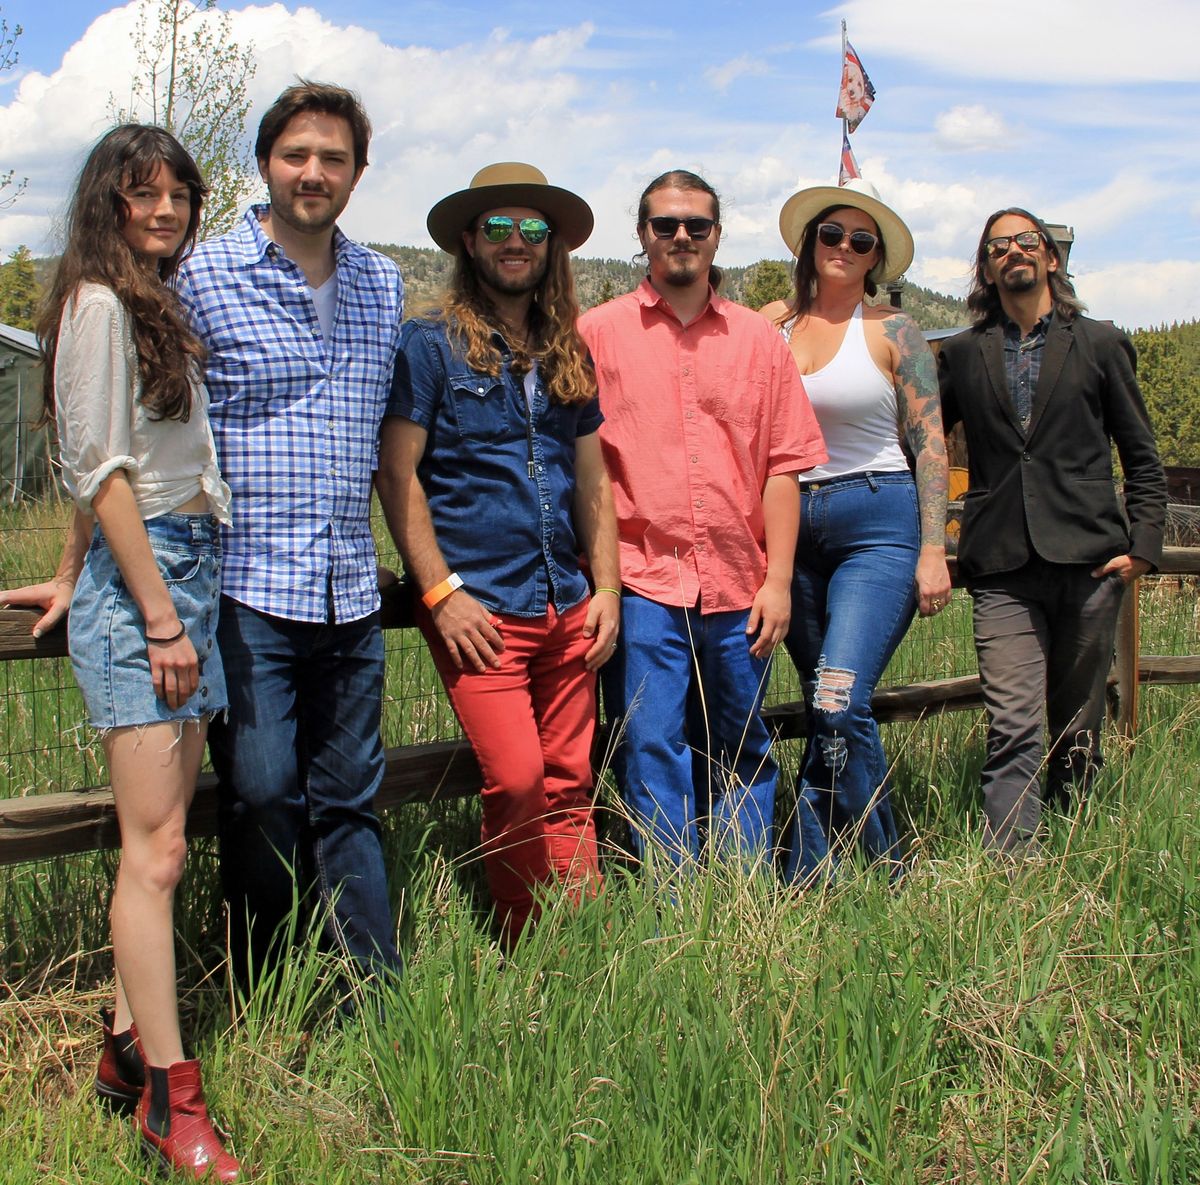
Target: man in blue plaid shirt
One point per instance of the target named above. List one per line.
(302, 327)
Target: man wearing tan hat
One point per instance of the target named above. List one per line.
(493, 484)
(706, 425)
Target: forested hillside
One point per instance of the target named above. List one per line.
(1168, 356)
(1169, 373)
(597, 280)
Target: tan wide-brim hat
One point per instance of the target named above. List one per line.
(510, 183)
(801, 208)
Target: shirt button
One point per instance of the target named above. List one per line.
(687, 370)
(699, 504)
(204, 691)
(1025, 457)
(694, 460)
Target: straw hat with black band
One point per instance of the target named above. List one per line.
(510, 183)
(801, 208)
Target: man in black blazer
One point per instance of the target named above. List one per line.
(1046, 547)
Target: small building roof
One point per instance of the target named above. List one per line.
(19, 339)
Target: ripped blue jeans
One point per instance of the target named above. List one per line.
(852, 602)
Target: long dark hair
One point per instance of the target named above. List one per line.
(984, 301)
(471, 319)
(169, 353)
(804, 270)
(680, 179)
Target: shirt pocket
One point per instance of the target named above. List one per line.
(733, 396)
(480, 406)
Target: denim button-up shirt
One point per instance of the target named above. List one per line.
(498, 473)
(296, 417)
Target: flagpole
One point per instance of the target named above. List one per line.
(845, 121)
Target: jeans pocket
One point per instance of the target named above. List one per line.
(177, 567)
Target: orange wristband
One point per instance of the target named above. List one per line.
(439, 592)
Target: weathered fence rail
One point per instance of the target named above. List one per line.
(80, 820)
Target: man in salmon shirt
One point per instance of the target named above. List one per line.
(706, 426)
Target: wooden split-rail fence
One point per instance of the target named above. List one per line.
(83, 819)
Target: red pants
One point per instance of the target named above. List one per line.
(531, 723)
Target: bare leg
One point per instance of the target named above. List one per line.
(153, 772)
(122, 1017)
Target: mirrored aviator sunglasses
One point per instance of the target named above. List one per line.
(498, 228)
(831, 234)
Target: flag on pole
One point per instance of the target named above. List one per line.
(849, 168)
(857, 93)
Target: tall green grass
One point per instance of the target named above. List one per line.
(981, 1023)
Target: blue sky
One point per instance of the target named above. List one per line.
(1086, 111)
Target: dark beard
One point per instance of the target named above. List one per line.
(1020, 278)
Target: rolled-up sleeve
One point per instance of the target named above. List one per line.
(93, 390)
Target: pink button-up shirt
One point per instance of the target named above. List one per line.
(696, 418)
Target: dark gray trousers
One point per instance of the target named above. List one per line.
(1044, 640)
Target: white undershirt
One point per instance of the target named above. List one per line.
(325, 301)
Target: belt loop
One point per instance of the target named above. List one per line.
(872, 482)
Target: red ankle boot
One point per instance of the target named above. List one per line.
(174, 1124)
(121, 1073)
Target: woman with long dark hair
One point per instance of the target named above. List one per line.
(142, 572)
(872, 519)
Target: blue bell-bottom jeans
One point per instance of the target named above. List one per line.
(299, 759)
(695, 756)
(852, 601)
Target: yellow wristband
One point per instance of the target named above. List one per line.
(616, 592)
(439, 592)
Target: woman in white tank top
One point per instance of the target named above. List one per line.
(872, 537)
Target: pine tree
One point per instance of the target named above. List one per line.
(18, 290)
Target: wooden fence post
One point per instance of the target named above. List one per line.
(1125, 662)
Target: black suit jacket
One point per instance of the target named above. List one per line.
(1052, 490)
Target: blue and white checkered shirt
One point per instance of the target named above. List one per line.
(296, 417)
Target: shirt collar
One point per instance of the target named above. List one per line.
(256, 246)
(1040, 327)
(649, 297)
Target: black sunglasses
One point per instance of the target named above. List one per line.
(665, 227)
(498, 228)
(1027, 240)
(831, 234)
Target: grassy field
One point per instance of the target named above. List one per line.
(978, 1024)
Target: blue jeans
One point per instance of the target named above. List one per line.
(1044, 637)
(299, 760)
(108, 634)
(686, 692)
(852, 602)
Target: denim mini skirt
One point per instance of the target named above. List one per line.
(107, 636)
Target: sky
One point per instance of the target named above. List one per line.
(1085, 111)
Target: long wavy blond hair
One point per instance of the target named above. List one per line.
(554, 342)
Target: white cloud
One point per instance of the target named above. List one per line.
(438, 114)
(723, 76)
(971, 129)
(1141, 294)
(1125, 197)
(1069, 41)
